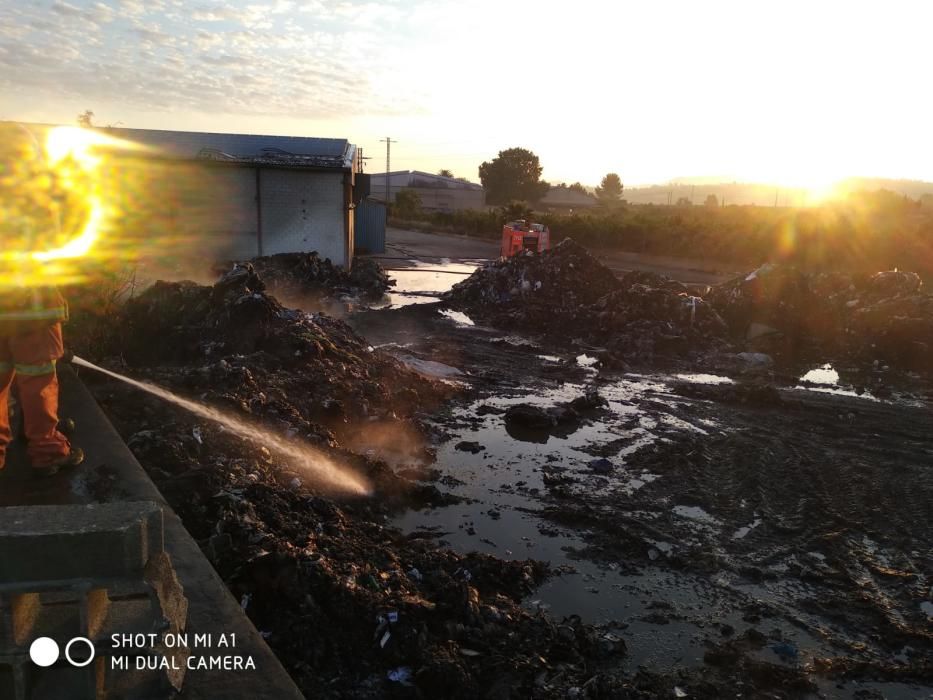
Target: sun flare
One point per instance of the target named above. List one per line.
(53, 203)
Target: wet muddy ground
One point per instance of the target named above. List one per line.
(541, 525)
(716, 524)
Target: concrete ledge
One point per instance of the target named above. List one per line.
(94, 541)
(111, 474)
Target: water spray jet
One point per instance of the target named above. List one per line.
(315, 463)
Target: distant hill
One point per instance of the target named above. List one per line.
(915, 189)
(698, 189)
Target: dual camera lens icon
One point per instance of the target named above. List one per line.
(44, 651)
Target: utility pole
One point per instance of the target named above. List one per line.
(388, 142)
(361, 160)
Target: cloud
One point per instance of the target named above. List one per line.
(300, 59)
(207, 13)
(63, 8)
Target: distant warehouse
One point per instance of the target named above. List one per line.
(437, 193)
(237, 195)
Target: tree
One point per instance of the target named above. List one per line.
(712, 201)
(683, 202)
(444, 172)
(86, 119)
(407, 204)
(610, 189)
(514, 210)
(514, 175)
(577, 187)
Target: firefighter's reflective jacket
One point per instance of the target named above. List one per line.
(26, 310)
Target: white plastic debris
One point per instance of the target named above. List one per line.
(402, 675)
(244, 601)
(679, 692)
(196, 434)
(755, 359)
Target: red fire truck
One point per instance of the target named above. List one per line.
(522, 235)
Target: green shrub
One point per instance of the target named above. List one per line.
(856, 234)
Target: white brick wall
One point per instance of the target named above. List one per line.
(303, 211)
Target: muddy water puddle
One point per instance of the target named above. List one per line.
(423, 282)
(659, 590)
(667, 617)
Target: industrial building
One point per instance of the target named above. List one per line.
(244, 194)
(282, 194)
(437, 192)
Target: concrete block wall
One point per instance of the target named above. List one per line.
(87, 571)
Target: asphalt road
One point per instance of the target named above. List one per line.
(403, 246)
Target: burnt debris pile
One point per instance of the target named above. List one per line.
(352, 607)
(537, 288)
(300, 275)
(567, 294)
(883, 318)
(796, 316)
(652, 315)
(259, 355)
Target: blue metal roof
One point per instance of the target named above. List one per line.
(253, 148)
(287, 151)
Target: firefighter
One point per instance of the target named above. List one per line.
(30, 345)
(38, 205)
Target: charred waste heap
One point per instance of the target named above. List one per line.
(862, 319)
(567, 294)
(298, 275)
(794, 315)
(351, 607)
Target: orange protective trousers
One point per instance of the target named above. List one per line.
(30, 359)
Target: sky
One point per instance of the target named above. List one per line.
(794, 93)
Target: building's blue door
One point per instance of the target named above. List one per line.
(369, 227)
